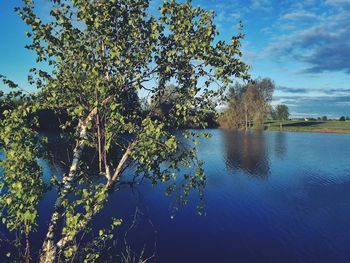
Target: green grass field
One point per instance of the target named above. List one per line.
(311, 126)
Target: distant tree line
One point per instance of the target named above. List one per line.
(343, 118)
(325, 118)
(248, 107)
(158, 109)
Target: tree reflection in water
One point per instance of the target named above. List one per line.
(247, 151)
(280, 145)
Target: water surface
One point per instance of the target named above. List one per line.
(270, 197)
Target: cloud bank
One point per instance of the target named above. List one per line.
(322, 42)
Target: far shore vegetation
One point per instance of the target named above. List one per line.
(271, 119)
(248, 107)
(302, 125)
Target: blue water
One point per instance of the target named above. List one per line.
(270, 197)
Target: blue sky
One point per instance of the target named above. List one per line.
(304, 46)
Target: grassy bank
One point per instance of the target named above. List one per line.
(311, 126)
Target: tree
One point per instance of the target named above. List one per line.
(233, 115)
(324, 118)
(342, 118)
(248, 103)
(102, 56)
(281, 113)
(164, 103)
(265, 89)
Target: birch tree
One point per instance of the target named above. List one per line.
(103, 56)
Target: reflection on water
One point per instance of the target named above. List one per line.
(247, 151)
(299, 213)
(280, 144)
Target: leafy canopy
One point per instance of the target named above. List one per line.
(104, 56)
(281, 112)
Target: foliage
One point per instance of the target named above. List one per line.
(247, 104)
(103, 55)
(22, 186)
(168, 100)
(165, 102)
(281, 112)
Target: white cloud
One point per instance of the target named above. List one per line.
(261, 4)
(324, 46)
(338, 2)
(298, 15)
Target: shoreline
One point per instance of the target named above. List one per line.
(319, 126)
(297, 129)
(325, 130)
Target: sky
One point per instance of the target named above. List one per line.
(304, 46)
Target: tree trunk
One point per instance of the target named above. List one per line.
(64, 241)
(281, 126)
(119, 168)
(27, 252)
(49, 248)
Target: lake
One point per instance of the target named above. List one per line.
(270, 197)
